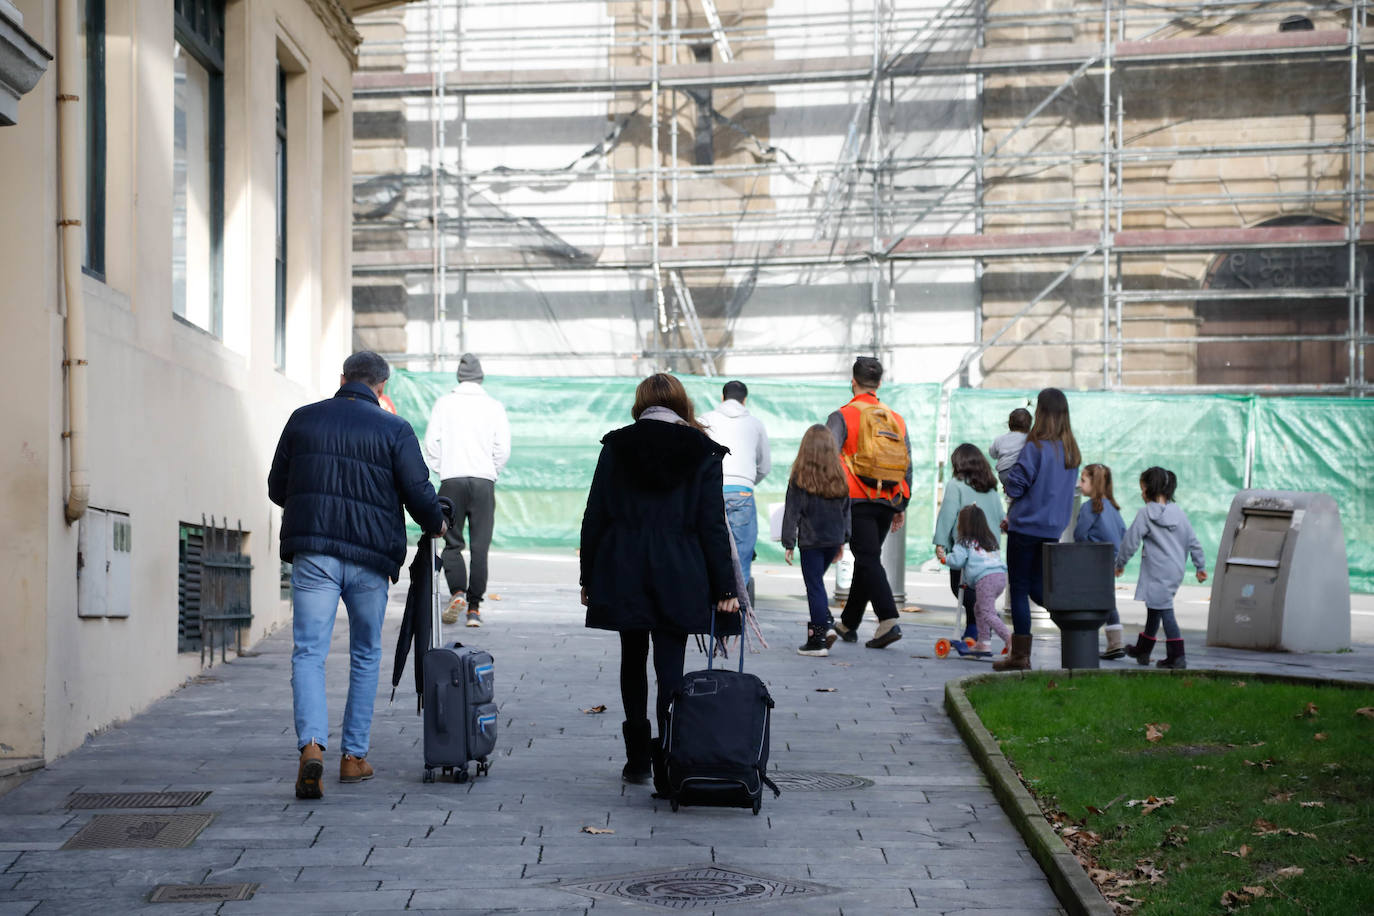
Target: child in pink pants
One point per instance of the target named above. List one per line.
(975, 552)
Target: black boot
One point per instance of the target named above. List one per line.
(815, 644)
(638, 762)
(1174, 657)
(1144, 645)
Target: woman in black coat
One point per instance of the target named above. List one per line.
(656, 551)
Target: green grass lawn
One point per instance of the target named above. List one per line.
(1258, 779)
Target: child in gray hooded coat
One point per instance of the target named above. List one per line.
(1166, 541)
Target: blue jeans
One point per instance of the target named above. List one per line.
(317, 584)
(1025, 575)
(814, 562)
(1154, 616)
(743, 517)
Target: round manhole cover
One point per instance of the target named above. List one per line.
(818, 782)
(704, 887)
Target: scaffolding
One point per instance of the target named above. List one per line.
(1089, 253)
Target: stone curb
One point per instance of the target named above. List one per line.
(1067, 878)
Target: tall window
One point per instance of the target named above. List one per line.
(704, 140)
(198, 162)
(93, 221)
(281, 219)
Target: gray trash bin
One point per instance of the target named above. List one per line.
(1281, 580)
(1079, 594)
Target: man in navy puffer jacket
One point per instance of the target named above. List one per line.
(342, 472)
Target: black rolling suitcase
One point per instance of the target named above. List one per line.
(716, 750)
(458, 701)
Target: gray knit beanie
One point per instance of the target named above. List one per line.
(469, 368)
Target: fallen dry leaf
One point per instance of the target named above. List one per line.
(1320, 736)
(494, 597)
(1278, 798)
(1154, 731)
(1263, 827)
(1308, 712)
(1152, 803)
(1313, 804)
(1145, 870)
(1242, 897)
(595, 710)
(1175, 836)
(913, 609)
(1366, 711)
(825, 689)
(1237, 683)
(1355, 860)
(1051, 685)
(1263, 764)
(597, 830)
(1291, 871)
(1239, 853)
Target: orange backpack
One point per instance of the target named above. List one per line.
(880, 457)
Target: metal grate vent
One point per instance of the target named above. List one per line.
(88, 800)
(694, 888)
(140, 831)
(818, 782)
(201, 893)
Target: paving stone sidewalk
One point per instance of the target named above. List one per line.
(920, 831)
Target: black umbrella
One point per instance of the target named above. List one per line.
(416, 623)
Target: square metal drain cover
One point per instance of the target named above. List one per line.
(818, 782)
(136, 799)
(140, 831)
(201, 893)
(694, 888)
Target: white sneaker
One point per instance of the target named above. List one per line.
(455, 607)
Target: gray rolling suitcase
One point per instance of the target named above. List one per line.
(458, 703)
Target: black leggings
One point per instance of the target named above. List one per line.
(670, 649)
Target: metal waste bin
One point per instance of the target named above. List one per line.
(1079, 594)
(1281, 581)
(893, 558)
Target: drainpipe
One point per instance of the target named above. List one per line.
(72, 204)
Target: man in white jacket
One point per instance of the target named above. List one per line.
(467, 444)
(749, 461)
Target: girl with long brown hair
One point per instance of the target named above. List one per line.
(816, 517)
(1041, 485)
(656, 552)
(1099, 522)
(971, 483)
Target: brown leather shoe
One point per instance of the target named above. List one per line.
(310, 772)
(354, 769)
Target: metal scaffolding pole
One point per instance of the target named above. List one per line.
(660, 306)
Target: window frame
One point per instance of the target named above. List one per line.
(93, 255)
(198, 27)
(282, 216)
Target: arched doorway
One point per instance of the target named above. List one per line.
(1289, 362)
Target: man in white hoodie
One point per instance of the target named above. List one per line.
(467, 444)
(749, 461)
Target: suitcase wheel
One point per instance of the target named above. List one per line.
(758, 803)
(942, 648)
(460, 776)
(429, 775)
(483, 767)
(673, 803)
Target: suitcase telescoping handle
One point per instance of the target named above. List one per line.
(711, 649)
(436, 616)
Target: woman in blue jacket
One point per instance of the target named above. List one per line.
(1041, 486)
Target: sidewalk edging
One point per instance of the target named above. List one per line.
(1067, 878)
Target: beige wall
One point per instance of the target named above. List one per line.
(180, 423)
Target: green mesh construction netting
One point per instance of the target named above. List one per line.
(1299, 443)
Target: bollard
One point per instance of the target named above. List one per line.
(1079, 581)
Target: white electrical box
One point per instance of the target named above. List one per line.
(104, 555)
